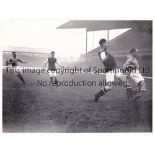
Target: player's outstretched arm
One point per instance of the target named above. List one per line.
(21, 61)
(45, 64)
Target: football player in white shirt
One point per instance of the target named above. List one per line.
(132, 66)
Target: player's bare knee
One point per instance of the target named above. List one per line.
(108, 88)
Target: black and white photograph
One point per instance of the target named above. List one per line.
(76, 76)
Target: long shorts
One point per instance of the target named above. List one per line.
(136, 76)
(52, 73)
(17, 69)
(110, 75)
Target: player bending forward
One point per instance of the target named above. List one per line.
(52, 61)
(111, 70)
(132, 66)
(14, 62)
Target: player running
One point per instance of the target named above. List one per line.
(111, 70)
(52, 61)
(14, 63)
(132, 68)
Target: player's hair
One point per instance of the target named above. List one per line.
(13, 52)
(133, 50)
(52, 52)
(102, 41)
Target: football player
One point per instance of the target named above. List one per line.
(52, 61)
(14, 62)
(111, 70)
(132, 67)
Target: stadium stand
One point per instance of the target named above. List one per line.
(140, 38)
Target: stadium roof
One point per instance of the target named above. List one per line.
(96, 25)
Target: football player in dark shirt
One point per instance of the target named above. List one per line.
(52, 61)
(111, 71)
(14, 62)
